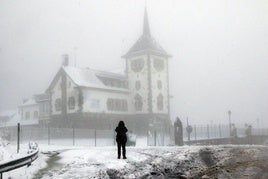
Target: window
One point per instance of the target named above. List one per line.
(112, 83)
(125, 105)
(71, 102)
(160, 102)
(58, 104)
(27, 115)
(138, 85)
(35, 114)
(158, 64)
(137, 65)
(109, 104)
(138, 102)
(159, 84)
(44, 109)
(117, 104)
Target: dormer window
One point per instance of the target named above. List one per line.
(35, 114)
(27, 115)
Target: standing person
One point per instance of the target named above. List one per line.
(121, 139)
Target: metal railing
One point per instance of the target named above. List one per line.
(19, 162)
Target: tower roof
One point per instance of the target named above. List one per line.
(146, 42)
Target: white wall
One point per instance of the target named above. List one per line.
(55, 93)
(163, 77)
(92, 97)
(94, 100)
(142, 76)
(72, 91)
(31, 109)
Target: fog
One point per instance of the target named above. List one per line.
(219, 50)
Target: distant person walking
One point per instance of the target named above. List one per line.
(121, 139)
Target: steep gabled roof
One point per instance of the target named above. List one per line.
(89, 78)
(146, 42)
(83, 77)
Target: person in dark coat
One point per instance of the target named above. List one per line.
(121, 139)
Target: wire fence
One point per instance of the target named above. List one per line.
(92, 137)
(214, 131)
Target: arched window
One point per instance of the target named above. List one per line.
(160, 102)
(159, 84)
(138, 102)
(27, 115)
(71, 102)
(158, 64)
(35, 114)
(138, 85)
(58, 104)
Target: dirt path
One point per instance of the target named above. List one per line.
(52, 164)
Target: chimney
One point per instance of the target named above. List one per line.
(65, 58)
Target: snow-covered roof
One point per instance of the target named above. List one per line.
(85, 77)
(8, 113)
(29, 102)
(8, 116)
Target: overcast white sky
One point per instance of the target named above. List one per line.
(219, 50)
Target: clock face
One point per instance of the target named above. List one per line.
(137, 65)
(158, 64)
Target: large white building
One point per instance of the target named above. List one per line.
(86, 98)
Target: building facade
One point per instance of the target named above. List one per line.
(87, 98)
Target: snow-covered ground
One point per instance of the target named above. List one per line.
(229, 161)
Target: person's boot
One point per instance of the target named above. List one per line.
(124, 157)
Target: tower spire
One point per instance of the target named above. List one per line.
(146, 27)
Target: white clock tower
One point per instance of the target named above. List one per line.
(147, 71)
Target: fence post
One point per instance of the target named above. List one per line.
(18, 139)
(73, 136)
(147, 138)
(208, 130)
(220, 130)
(195, 132)
(154, 138)
(48, 135)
